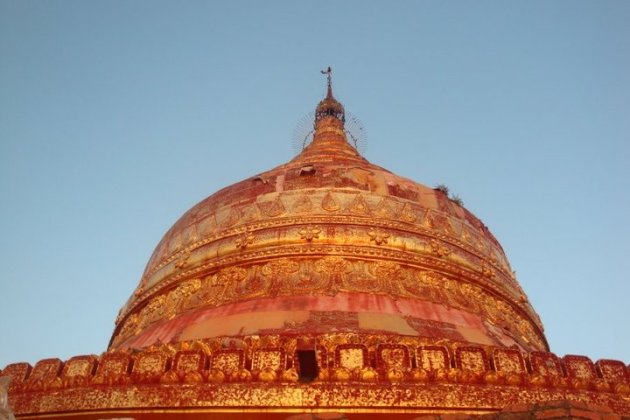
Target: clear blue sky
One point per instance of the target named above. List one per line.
(118, 116)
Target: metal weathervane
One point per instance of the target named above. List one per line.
(328, 73)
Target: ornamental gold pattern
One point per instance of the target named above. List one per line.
(326, 276)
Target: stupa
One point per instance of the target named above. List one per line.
(325, 286)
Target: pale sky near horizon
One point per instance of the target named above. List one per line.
(116, 117)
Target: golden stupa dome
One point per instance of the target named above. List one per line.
(325, 245)
(327, 287)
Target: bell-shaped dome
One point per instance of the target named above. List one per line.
(329, 244)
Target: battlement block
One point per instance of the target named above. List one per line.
(473, 359)
(393, 356)
(18, 372)
(508, 361)
(272, 358)
(45, 375)
(612, 371)
(150, 366)
(351, 356)
(228, 360)
(545, 364)
(46, 370)
(79, 366)
(114, 364)
(186, 361)
(433, 358)
(579, 367)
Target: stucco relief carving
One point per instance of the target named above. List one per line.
(434, 293)
(359, 206)
(329, 203)
(328, 276)
(232, 218)
(211, 292)
(245, 239)
(307, 280)
(334, 271)
(388, 210)
(378, 236)
(363, 277)
(310, 232)
(408, 213)
(303, 204)
(438, 249)
(271, 208)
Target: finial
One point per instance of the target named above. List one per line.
(329, 106)
(328, 73)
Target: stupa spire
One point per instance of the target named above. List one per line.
(329, 106)
(329, 134)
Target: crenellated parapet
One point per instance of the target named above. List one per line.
(331, 371)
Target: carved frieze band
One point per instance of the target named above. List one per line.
(327, 276)
(405, 215)
(325, 230)
(348, 241)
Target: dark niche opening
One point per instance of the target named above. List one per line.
(307, 365)
(307, 170)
